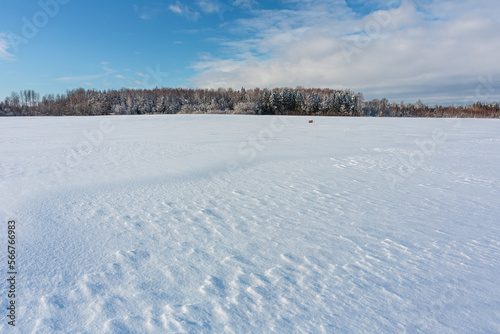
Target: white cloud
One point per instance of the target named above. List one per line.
(87, 78)
(185, 11)
(245, 3)
(176, 8)
(209, 6)
(222, 6)
(4, 46)
(150, 12)
(147, 13)
(410, 52)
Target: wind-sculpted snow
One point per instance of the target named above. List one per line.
(234, 224)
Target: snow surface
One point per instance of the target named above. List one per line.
(248, 224)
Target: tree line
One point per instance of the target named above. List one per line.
(382, 108)
(277, 101)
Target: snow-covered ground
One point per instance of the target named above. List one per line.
(248, 224)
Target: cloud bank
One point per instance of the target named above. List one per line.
(436, 51)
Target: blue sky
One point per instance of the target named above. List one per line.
(437, 51)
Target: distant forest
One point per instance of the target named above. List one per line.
(277, 101)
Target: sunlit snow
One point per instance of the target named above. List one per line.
(252, 224)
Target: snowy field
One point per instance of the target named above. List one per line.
(249, 224)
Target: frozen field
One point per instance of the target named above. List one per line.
(247, 224)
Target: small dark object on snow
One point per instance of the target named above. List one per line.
(310, 121)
